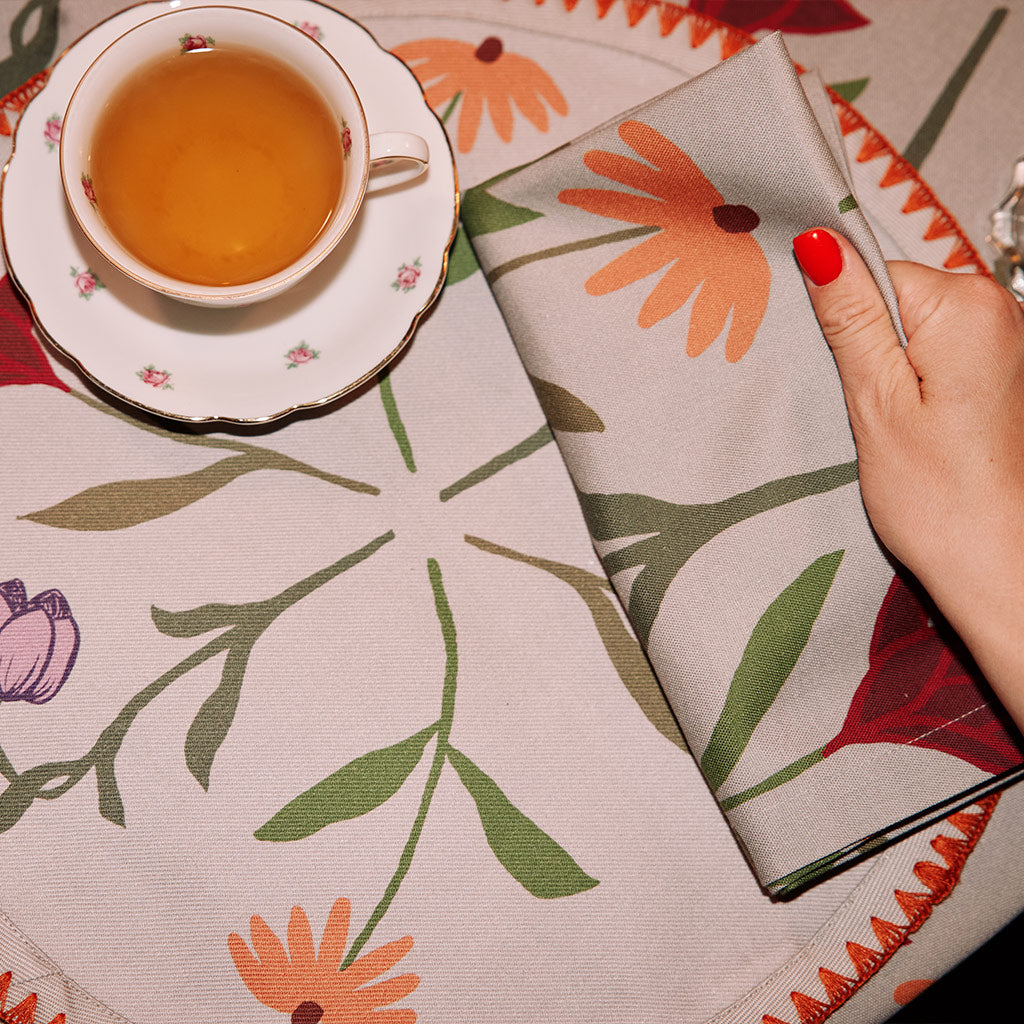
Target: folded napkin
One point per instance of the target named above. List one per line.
(646, 274)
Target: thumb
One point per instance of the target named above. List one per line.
(856, 324)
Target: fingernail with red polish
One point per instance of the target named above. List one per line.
(819, 256)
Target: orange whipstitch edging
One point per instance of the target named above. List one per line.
(939, 880)
(874, 145)
(17, 99)
(25, 1011)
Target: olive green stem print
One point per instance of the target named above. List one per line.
(529, 855)
(672, 533)
(121, 504)
(537, 440)
(243, 625)
(624, 235)
(387, 397)
(926, 136)
(625, 652)
(451, 107)
(782, 776)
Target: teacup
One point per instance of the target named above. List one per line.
(317, 106)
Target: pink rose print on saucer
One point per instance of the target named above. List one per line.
(302, 353)
(38, 643)
(310, 29)
(346, 138)
(408, 275)
(86, 282)
(159, 379)
(195, 43)
(51, 131)
(87, 188)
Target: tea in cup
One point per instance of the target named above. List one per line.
(218, 154)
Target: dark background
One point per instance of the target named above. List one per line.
(987, 987)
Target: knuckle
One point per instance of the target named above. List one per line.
(853, 316)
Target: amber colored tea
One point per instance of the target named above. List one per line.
(217, 166)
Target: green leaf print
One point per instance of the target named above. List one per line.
(462, 261)
(213, 720)
(529, 855)
(850, 90)
(483, 213)
(564, 411)
(125, 503)
(671, 533)
(351, 791)
(772, 651)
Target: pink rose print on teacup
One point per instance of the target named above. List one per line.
(195, 43)
(408, 275)
(86, 282)
(302, 353)
(159, 379)
(310, 29)
(346, 138)
(51, 131)
(87, 188)
(38, 643)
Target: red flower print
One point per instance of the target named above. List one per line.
(22, 360)
(310, 29)
(155, 378)
(346, 138)
(706, 240)
(804, 16)
(312, 987)
(448, 69)
(195, 43)
(86, 282)
(408, 275)
(302, 353)
(917, 691)
(51, 131)
(38, 643)
(87, 188)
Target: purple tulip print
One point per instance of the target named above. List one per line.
(38, 643)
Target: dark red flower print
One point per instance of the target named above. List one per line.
(804, 16)
(918, 691)
(22, 360)
(38, 643)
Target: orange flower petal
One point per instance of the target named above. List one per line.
(748, 312)
(266, 944)
(300, 939)
(532, 109)
(668, 157)
(670, 293)
(394, 1017)
(626, 171)
(501, 113)
(650, 255)
(373, 965)
(450, 51)
(606, 202)
(440, 92)
(391, 990)
(332, 945)
(710, 311)
(469, 119)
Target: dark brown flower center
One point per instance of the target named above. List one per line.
(489, 50)
(307, 1013)
(735, 219)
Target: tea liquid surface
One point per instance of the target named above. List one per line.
(218, 166)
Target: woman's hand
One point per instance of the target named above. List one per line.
(939, 428)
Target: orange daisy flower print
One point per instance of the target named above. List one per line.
(311, 987)
(706, 240)
(449, 68)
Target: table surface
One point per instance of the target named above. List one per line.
(368, 653)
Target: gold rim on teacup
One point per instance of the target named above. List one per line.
(403, 154)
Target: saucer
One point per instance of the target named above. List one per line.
(320, 339)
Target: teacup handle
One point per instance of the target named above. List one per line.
(388, 148)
